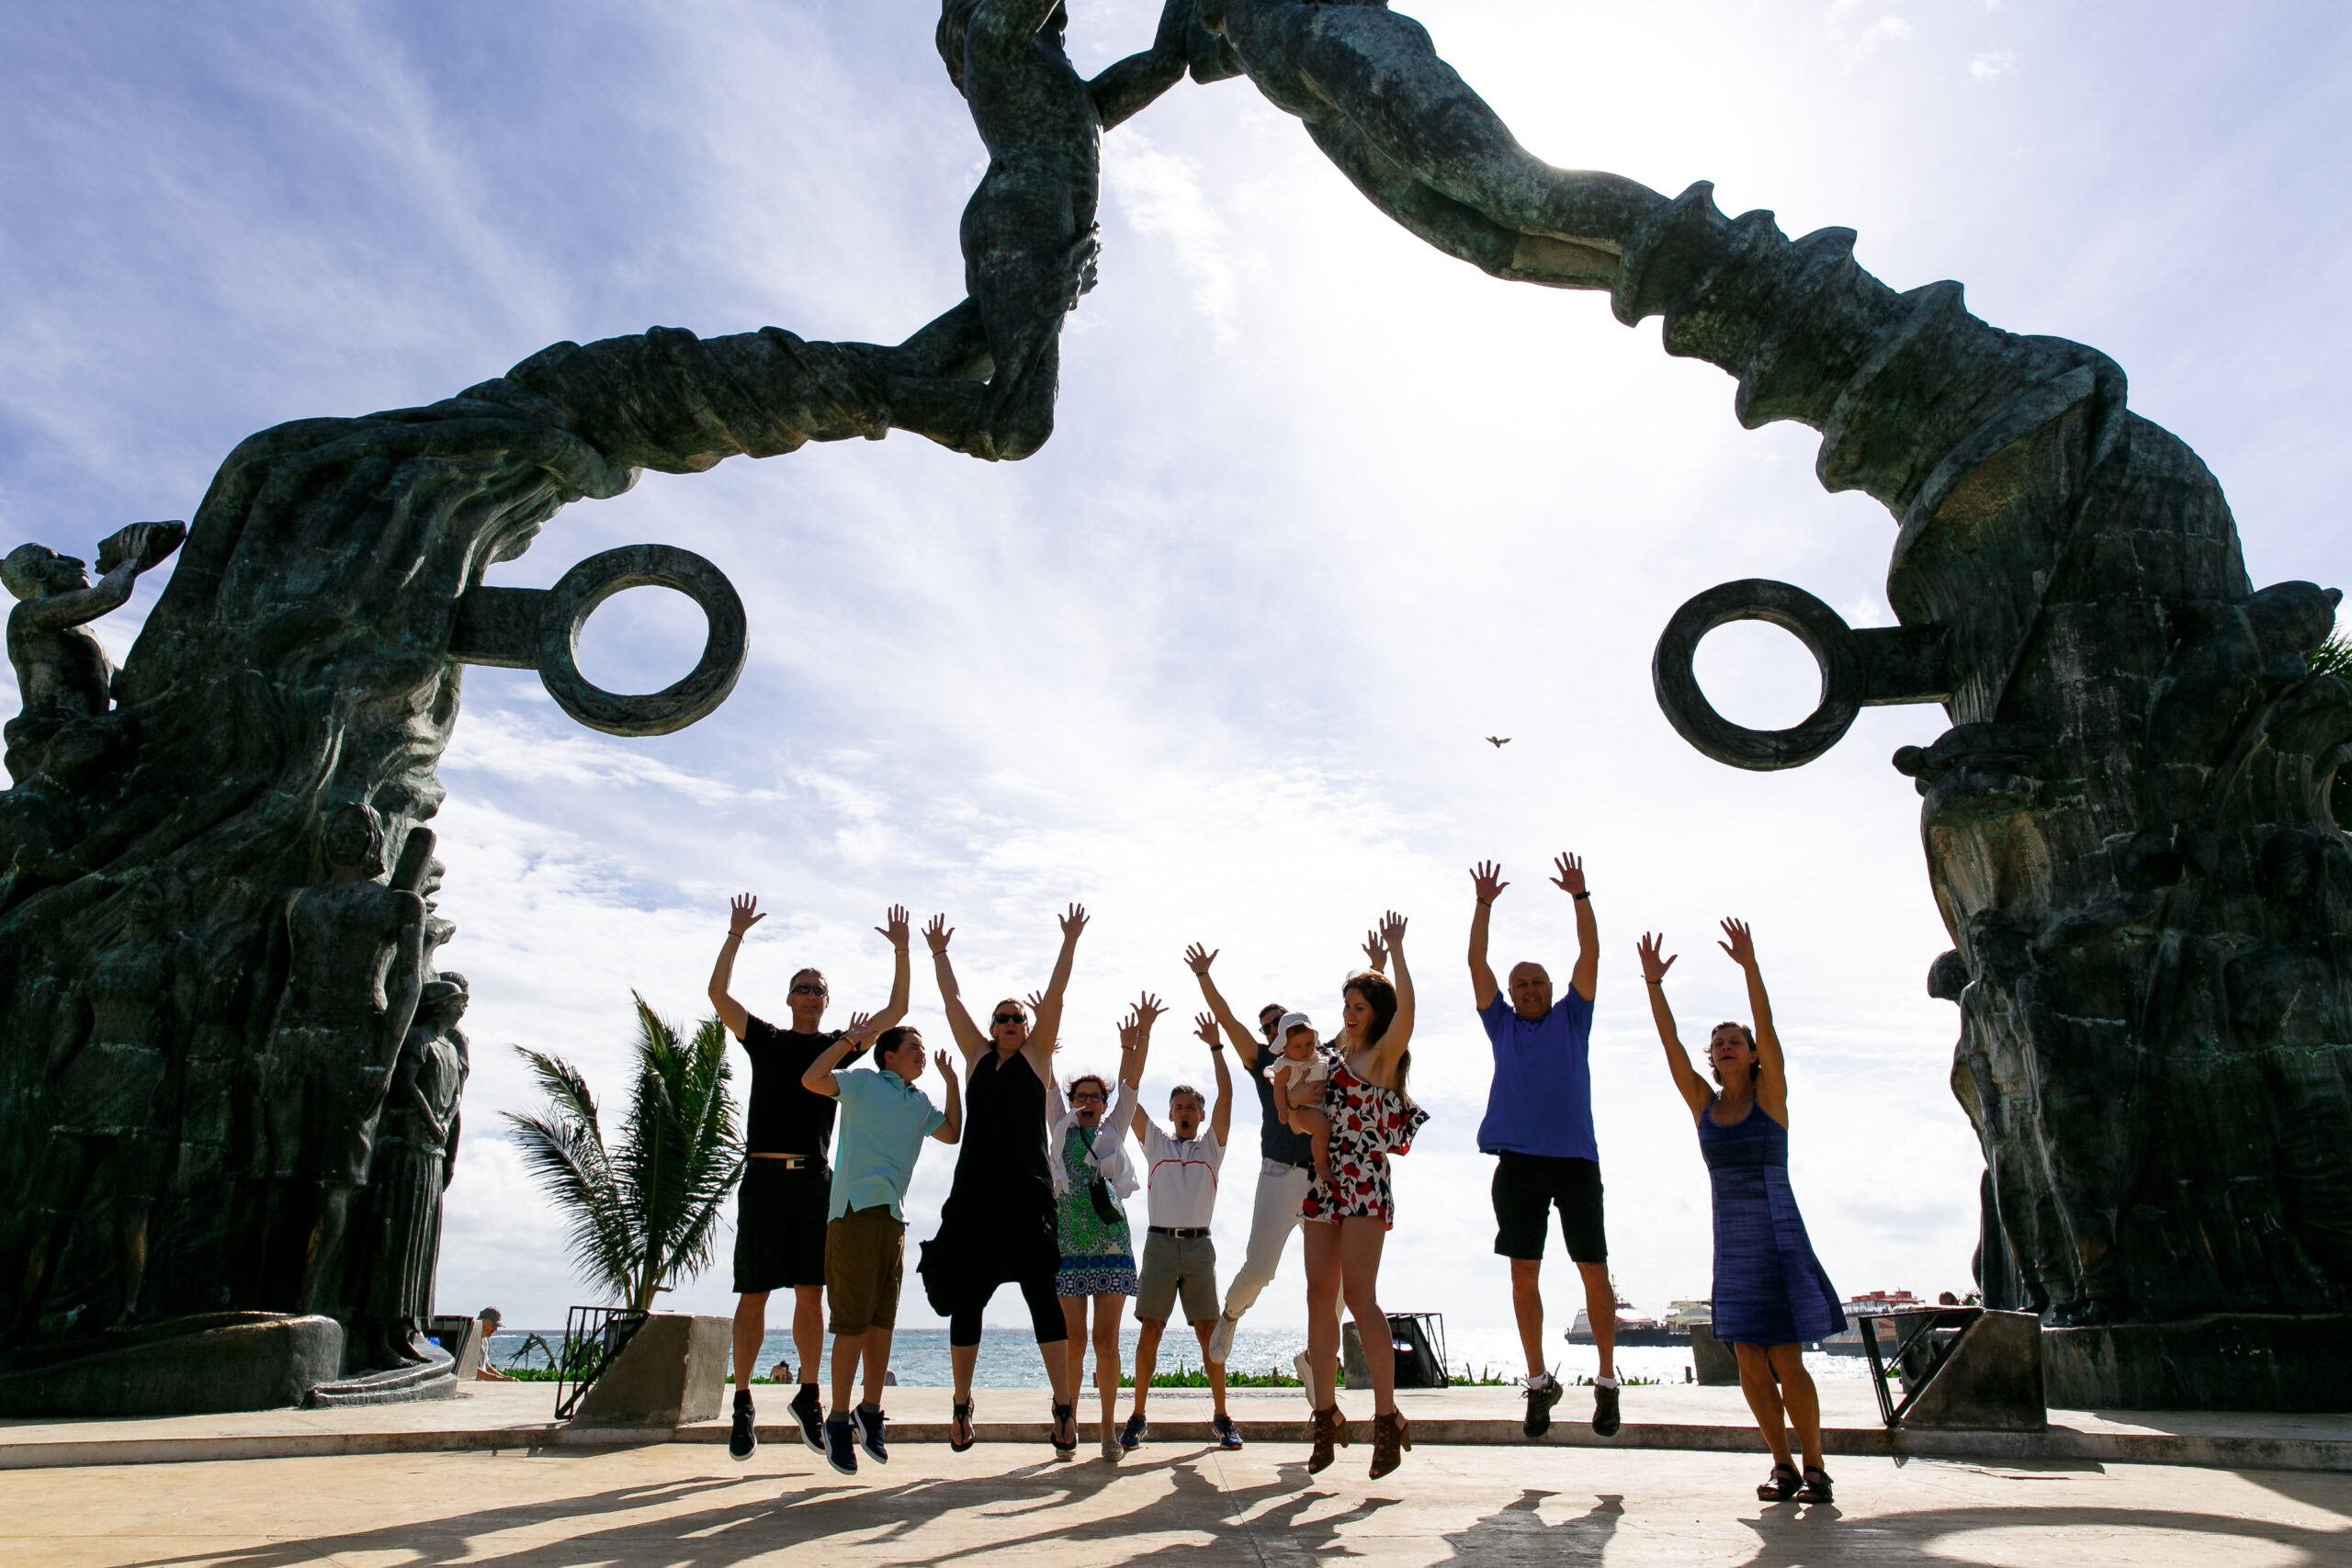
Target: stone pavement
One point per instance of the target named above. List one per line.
(1170, 1505)
(502, 1416)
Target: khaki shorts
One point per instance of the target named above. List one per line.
(866, 1252)
(1170, 1263)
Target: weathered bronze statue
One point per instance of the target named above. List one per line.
(415, 1154)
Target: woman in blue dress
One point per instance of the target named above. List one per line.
(1771, 1298)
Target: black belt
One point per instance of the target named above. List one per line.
(1182, 1233)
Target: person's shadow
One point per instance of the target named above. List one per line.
(1516, 1532)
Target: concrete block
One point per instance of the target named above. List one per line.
(1711, 1358)
(2221, 1361)
(1991, 1381)
(189, 1366)
(671, 1372)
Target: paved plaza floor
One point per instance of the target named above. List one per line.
(687, 1505)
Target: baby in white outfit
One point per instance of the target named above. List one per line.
(1300, 1076)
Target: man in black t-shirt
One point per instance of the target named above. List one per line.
(780, 1209)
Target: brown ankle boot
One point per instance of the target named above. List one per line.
(1330, 1428)
(1390, 1434)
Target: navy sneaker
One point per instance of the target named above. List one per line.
(809, 1411)
(1543, 1392)
(1132, 1435)
(841, 1450)
(1605, 1411)
(1227, 1435)
(743, 1440)
(870, 1423)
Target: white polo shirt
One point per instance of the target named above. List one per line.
(1181, 1177)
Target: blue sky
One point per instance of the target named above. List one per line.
(1323, 509)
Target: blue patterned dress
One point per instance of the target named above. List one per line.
(1098, 1257)
(1770, 1289)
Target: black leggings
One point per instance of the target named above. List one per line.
(1045, 1312)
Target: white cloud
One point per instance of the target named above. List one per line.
(1992, 64)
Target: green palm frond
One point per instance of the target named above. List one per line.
(643, 1209)
(2333, 657)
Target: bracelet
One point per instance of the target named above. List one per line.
(1647, 981)
(1580, 898)
(1486, 903)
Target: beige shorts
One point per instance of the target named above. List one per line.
(1177, 1263)
(866, 1253)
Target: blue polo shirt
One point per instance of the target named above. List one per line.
(1541, 1102)
(885, 1120)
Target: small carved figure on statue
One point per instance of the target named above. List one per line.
(416, 1155)
(107, 1088)
(1029, 235)
(351, 989)
(64, 676)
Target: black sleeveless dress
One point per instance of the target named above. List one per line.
(997, 1225)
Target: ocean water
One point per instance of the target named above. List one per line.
(1009, 1356)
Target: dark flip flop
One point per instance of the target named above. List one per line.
(1780, 1486)
(1816, 1487)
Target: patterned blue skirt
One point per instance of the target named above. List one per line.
(1101, 1274)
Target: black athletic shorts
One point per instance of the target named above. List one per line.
(780, 1226)
(1526, 1186)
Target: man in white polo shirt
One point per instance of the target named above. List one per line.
(1179, 1259)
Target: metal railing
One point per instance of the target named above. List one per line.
(592, 1338)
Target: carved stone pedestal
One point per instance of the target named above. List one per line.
(189, 1366)
(2223, 1362)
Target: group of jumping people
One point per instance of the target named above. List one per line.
(1046, 1168)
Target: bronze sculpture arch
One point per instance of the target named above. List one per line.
(2127, 825)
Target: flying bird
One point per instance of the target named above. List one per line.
(1498, 741)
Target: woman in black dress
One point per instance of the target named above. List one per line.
(999, 1225)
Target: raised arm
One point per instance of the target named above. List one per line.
(743, 914)
(1135, 1050)
(1199, 958)
(1687, 1081)
(1392, 1045)
(1570, 881)
(1486, 882)
(893, 930)
(1772, 1070)
(1123, 90)
(1045, 1030)
(1220, 1113)
(143, 544)
(968, 1038)
(818, 1078)
(947, 1132)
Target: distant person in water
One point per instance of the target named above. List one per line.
(1093, 1179)
(1772, 1297)
(885, 1120)
(1539, 1128)
(780, 1209)
(1000, 1224)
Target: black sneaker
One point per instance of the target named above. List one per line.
(809, 1411)
(1542, 1393)
(1227, 1435)
(841, 1450)
(1605, 1411)
(870, 1423)
(743, 1440)
(1132, 1435)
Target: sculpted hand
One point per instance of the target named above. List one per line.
(1571, 877)
(1739, 945)
(1654, 968)
(1487, 879)
(1074, 922)
(1205, 1025)
(743, 914)
(893, 925)
(937, 932)
(1199, 958)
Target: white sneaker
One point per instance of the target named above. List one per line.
(1302, 1366)
(1221, 1341)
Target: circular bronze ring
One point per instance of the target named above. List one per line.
(575, 597)
(1813, 623)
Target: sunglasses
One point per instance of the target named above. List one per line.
(808, 990)
(1008, 1018)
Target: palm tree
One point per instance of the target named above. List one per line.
(2333, 656)
(641, 1211)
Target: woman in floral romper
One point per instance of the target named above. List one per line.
(1349, 1217)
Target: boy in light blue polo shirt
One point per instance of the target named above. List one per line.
(884, 1122)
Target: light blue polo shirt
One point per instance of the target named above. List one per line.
(885, 1120)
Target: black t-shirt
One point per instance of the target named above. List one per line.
(785, 1119)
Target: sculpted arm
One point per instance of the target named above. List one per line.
(1124, 89)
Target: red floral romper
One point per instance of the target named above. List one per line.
(1368, 1124)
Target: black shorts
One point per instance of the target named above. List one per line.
(780, 1226)
(1526, 1186)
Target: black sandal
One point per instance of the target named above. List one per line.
(1065, 1413)
(1816, 1487)
(962, 1421)
(1780, 1486)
